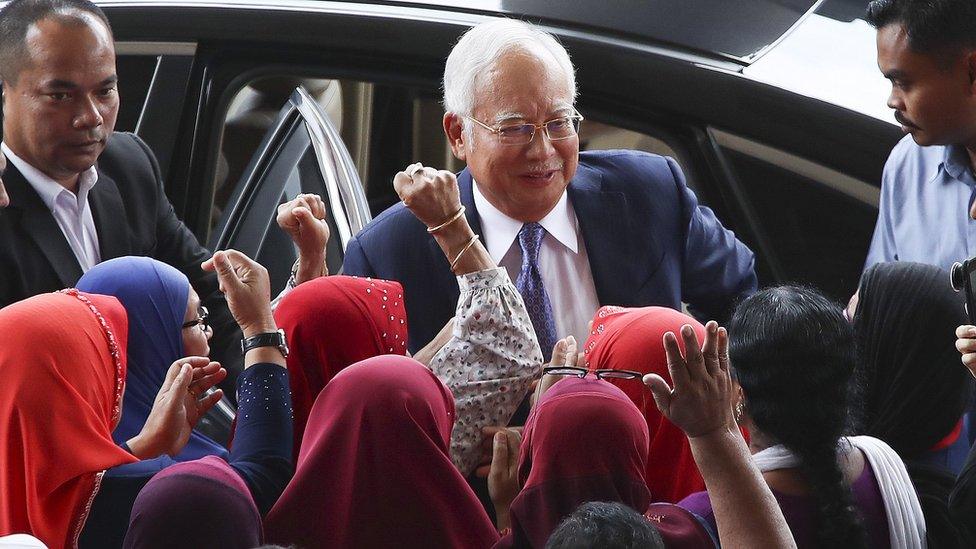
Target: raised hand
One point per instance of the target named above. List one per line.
(303, 218)
(247, 287)
(700, 402)
(432, 195)
(4, 199)
(503, 483)
(966, 345)
(178, 407)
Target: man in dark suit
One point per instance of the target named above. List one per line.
(575, 230)
(79, 193)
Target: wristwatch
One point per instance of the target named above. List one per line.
(269, 339)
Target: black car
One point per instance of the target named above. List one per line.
(793, 166)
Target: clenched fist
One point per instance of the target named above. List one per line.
(432, 195)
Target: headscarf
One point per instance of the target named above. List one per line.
(154, 296)
(202, 503)
(374, 468)
(914, 388)
(632, 339)
(334, 321)
(584, 441)
(63, 371)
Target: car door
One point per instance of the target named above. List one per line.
(302, 152)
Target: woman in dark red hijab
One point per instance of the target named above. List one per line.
(584, 441)
(631, 339)
(332, 322)
(374, 468)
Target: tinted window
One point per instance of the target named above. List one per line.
(135, 75)
(817, 235)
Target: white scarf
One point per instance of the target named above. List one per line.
(906, 525)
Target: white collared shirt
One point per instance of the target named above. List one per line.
(71, 211)
(563, 262)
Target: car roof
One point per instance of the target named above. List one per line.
(736, 30)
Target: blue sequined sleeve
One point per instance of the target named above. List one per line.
(262, 447)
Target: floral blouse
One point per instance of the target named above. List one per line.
(490, 361)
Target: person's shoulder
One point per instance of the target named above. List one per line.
(621, 159)
(395, 222)
(908, 157)
(127, 157)
(123, 145)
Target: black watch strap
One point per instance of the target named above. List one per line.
(269, 339)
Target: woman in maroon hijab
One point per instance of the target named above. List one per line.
(374, 468)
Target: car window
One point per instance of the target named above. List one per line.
(135, 76)
(816, 225)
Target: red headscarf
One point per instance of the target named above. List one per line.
(374, 468)
(584, 441)
(63, 371)
(632, 339)
(332, 322)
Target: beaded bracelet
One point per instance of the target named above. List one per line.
(466, 247)
(455, 217)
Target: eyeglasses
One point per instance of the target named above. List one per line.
(600, 374)
(556, 129)
(200, 321)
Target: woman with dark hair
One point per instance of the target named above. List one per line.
(913, 389)
(792, 353)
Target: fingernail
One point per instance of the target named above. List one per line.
(499, 437)
(571, 340)
(972, 331)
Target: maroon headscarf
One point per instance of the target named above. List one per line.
(374, 468)
(632, 339)
(201, 503)
(332, 322)
(584, 441)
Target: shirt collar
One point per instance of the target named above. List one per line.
(47, 188)
(955, 161)
(501, 230)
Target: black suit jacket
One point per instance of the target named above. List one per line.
(132, 217)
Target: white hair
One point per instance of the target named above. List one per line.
(483, 45)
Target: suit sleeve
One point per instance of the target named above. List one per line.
(176, 245)
(717, 269)
(354, 263)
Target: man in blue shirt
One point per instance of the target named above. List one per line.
(927, 49)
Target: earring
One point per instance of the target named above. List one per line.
(738, 411)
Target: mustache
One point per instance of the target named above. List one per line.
(904, 121)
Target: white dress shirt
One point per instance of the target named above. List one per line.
(71, 211)
(563, 262)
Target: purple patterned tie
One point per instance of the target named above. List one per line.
(529, 284)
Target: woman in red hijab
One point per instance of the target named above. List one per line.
(50, 469)
(374, 468)
(332, 322)
(631, 339)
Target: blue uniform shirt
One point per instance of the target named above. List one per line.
(926, 194)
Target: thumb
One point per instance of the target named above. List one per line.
(513, 440)
(661, 391)
(225, 271)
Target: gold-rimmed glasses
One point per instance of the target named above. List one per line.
(556, 129)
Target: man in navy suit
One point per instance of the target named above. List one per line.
(576, 230)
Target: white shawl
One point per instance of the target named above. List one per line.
(906, 525)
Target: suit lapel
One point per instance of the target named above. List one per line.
(110, 219)
(616, 260)
(39, 223)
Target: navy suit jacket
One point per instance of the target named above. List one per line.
(648, 242)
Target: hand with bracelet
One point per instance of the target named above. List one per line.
(303, 218)
(433, 196)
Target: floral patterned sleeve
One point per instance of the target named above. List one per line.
(490, 361)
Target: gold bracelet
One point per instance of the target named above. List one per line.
(466, 247)
(455, 217)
